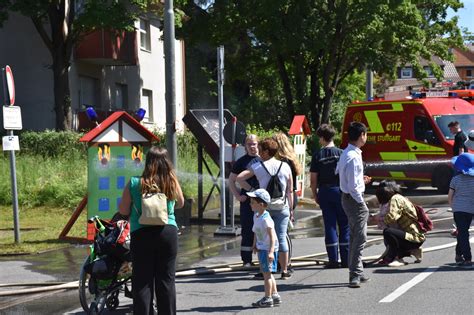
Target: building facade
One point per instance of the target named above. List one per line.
(106, 73)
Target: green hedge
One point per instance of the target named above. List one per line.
(52, 144)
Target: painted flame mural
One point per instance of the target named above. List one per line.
(137, 153)
(104, 153)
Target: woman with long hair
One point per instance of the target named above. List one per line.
(264, 171)
(287, 154)
(153, 247)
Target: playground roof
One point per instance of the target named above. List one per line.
(298, 125)
(137, 132)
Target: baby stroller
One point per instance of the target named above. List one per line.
(107, 270)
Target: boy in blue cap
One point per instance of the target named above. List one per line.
(265, 242)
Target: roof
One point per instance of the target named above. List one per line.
(94, 134)
(423, 62)
(450, 72)
(298, 125)
(463, 58)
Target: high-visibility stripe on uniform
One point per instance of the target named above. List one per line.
(246, 248)
(332, 245)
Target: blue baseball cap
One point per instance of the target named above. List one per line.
(464, 163)
(261, 194)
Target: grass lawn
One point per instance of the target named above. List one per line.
(39, 229)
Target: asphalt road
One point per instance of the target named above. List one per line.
(434, 286)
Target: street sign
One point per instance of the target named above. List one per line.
(12, 118)
(11, 143)
(10, 86)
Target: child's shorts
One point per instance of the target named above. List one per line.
(265, 266)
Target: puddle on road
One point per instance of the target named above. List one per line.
(196, 242)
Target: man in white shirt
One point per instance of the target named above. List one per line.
(352, 183)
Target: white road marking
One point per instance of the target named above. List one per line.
(408, 285)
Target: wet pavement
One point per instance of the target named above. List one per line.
(197, 247)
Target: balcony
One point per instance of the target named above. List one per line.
(108, 48)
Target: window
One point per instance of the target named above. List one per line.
(121, 96)
(469, 73)
(147, 104)
(145, 41)
(88, 92)
(406, 73)
(429, 72)
(424, 131)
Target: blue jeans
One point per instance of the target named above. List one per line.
(281, 218)
(333, 215)
(463, 222)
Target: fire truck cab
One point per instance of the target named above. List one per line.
(409, 139)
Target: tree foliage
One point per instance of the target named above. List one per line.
(62, 23)
(292, 56)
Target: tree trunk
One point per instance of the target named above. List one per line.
(327, 107)
(62, 95)
(286, 85)
(61, 50)
(313, 98)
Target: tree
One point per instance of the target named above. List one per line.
(312, 46)
(61, 24)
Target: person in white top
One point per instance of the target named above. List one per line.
(280, 215)
(352, 182)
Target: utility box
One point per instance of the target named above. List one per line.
(116, 151)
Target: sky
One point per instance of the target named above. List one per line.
(466, 15)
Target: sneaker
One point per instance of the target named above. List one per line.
(247, 265)
(418, 254)
(331, 265)
(467, 264)
(258, 276)
(354, 282)
(276, 299)
(264, 302)
(398, 262)
(286, 275)
(364, 279)
(459, 259)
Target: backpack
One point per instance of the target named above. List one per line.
(154, 208)
(424, 222)
(275, 190)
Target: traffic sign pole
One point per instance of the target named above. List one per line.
(16, 216)
(9, 87)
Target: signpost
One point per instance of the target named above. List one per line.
(11, 121)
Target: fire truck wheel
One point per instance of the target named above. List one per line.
(412, 185)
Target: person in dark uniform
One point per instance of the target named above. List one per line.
(459, 138)
(246, 214)
(325, 188)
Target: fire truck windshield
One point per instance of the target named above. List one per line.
(465, 121)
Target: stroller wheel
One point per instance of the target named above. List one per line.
(112, 301)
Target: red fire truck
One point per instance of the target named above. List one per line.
(409, 140)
